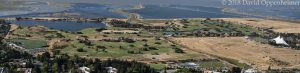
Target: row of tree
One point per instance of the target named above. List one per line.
(64, 63)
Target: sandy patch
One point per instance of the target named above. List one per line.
(250, 52)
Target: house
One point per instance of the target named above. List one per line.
(250, 71)
(280, 41)
(17, 47)
(120, 31)
(111, 70)
(168, 34)
(189, 65)
(20, 62)
(24, 70)
(37, 50)
(209, 71)
(84, 69)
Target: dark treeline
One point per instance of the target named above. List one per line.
(64, 63)
(119, 23)
(123, 24)
(8, 56)
(4, 28)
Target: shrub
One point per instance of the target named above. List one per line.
(155, 53)
(81, 50)
(158, 43)
(178, 50)
(153, 48)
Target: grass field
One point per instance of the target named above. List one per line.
(29, 44)
(158, 66)
(34, 33)
(164, 51)
(190, 26)
(118, 49)
(217, 27)
(212, 64)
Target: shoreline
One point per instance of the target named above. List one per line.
(93, 19)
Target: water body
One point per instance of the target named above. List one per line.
(180, 11)
(60, 25)
(20, 7)
(286, 12)
(96, 10)
(185, 8)
(86, 10)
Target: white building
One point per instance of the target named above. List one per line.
(111, 70)
(250, 71)
(189, 65)
(208, 71)
(85, 69)
(280, 41)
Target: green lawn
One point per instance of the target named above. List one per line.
(113, 48)
(158, 66)
(214, 27)
(29, 44)
(89, 31)
(235, 62)
(212, 64)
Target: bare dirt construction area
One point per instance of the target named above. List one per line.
(276, 25)
(258, 55)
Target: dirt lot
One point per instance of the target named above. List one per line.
(261, 56)
(278, 26)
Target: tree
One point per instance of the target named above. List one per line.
(236, 70)
(184, 70)
(36, 69)
(81, 50)
(97, 49)
(102, 47)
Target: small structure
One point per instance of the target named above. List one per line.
(84, 69)
(246, 37)
(120, 31)
(20, 62)
(189, 65)
(250, 71)
(24, 70)
(168, 34)
(37, 50)
(111, 70)
(280, 41)
(208, 71)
